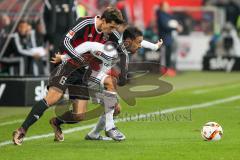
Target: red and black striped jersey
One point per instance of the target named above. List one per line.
(84, 30)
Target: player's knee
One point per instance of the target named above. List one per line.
(51, 100)
(53, 96)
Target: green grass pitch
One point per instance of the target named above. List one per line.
(196, 98)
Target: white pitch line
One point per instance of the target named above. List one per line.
(11, 122)
(202, 91)
(180, 108)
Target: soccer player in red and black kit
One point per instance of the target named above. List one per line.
(132, 37)
(86, 29)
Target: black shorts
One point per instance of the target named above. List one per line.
(59, 76)
(67, 76)
(77, 84)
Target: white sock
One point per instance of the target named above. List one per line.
(95, 132)
(109, 120)
(109, 100)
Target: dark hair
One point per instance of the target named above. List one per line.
(132, 33)
(112, 14)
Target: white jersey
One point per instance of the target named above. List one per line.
(105, 52)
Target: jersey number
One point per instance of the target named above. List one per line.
(63, 80)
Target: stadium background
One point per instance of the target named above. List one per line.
(204, 73)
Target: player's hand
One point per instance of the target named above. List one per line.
(57, 59)
(159, 43)
(117, 110)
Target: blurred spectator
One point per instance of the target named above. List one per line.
(5, 25)
(166, 24)
(24, 45)
(229, 43)
(59, 15)
(5, 22)
(226, 43)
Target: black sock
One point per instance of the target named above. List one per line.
(36, 112)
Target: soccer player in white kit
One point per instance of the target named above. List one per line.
(109, 56)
